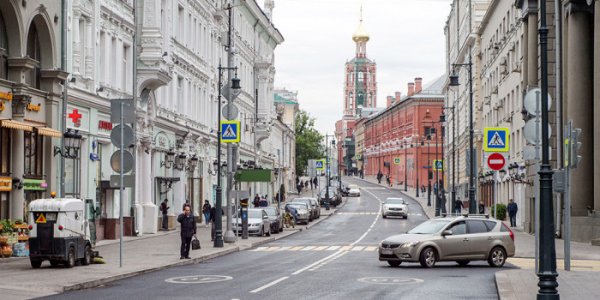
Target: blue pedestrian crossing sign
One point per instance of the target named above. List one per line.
(230, 131)
(438, 165)
(320, 164)
(495, 139)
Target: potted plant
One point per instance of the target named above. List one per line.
(6, 228)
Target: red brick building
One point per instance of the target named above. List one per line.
(401, 141)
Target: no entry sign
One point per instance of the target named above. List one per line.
(496, 161)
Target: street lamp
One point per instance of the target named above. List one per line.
(443, 120)
(193, 163)
(169, 159)
(236, 88)
(454, 82)
(180, 161)
(72, 142)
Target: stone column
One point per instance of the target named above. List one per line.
(76, 45)
(579, 72)
(18, 168)
(597, 106)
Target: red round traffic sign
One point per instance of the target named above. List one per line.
(496, 161)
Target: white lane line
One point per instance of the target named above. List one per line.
(316, 263)
(269, 284)
(259, 249)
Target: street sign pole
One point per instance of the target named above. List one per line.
(567, 209)
(121, 188)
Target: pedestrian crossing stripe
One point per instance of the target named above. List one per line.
(370, 213)
(230, 131)
(495, 139)
(348, 248)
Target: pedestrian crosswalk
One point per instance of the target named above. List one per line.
(316, 248)
(370, 213)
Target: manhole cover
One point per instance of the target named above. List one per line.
(198, 279)
(390, 280)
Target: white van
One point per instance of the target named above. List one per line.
(59, 232)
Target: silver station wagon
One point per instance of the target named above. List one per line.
(451, 238)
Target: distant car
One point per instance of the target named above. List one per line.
(258, 222)
(315, 211)
(315, 204)
(335, 199)
(353, 190)
(302, 211)
(461, 239)
(276, 219)
(394, 207)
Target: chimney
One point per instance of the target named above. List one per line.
(398, 96)
(411, 89)
(418, 85)
(390, 100)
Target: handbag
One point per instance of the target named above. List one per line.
(195, 243)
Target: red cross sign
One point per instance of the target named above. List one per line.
(76, 117)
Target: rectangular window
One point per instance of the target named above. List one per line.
(5, 151)
(33, 155)
(180, 28)
(127, 71)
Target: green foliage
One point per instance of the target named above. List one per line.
(7, 226)
(501, 210)
(309, 142)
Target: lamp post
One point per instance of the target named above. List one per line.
(327, 168)
(443, 121)
(405, 145)
(454, 82)
(235, 86)
(547, 258)
(418, 168)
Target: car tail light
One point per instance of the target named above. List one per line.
(510, 232)
(60, 227)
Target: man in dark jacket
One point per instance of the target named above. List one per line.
(164, 208)
(512, 212)
(188, 230)
(458, 206)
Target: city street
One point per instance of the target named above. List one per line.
(336, 259)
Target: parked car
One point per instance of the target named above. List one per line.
(334, 198)
(259, 223)
(394, 207)
(315, 203)
(353, 190)
(315, 211)
(276, 219)
(459, 238)
(302, 211)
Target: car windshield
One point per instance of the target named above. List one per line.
(297, 205)
(302, 201)
(429, 227)
(271, 211)
(394, 201)
(254, 214)
(352, 186)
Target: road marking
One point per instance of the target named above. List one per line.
(371, 248)
(273, 249)
(333, 248)
(316, 263)
(358, 248)
(296, 248)
(320, 248)
(198, 279)
(308, 248)
(269, 284)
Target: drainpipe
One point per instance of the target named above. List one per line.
(558, 100)
(63, 118)
(134, 56)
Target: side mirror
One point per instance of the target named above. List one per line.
(265, 217)
(446, 232)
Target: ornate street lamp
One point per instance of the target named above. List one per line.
(180, 162)
(169, 159)
(72, 144)
(193, 163)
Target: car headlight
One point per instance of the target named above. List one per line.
(409, 244)
(254, 225)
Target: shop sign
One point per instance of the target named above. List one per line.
(6, 96)
(5, 184)
(2, 106)
(34, 184)
(75, 117)
(34, 107)
(104, 125)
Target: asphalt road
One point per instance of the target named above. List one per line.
(335, 259)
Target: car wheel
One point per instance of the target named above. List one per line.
(35, 263)
(394, 264)
(428, 257)
(463, 263)
(497, 257)
(87, 258)
(54, 263)
(383, 216)
(70, 258)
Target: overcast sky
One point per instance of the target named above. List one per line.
(407, 41)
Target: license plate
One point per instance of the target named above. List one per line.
(386, 251)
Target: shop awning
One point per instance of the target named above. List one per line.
(253, 175)
(16, 125)
(49, 132)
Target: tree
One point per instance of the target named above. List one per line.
(309, 142)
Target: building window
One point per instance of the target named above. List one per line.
(5, 151)
(33, 154)
(33, 51)
(3, 49)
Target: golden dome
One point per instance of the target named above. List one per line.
(360, 35)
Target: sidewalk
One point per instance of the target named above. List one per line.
(516, 284)
(148, 253)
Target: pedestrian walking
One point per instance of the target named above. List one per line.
(299, 187)
(311, 185)
(256, 200)
(379, 176)
(164, 208)
(512, 212)
(389, 180)
(206, 211)
(188, 230)
(481, 207)
(458, 206)
(316, 181)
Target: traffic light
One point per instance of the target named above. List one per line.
(575, 147)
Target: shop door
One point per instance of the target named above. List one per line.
(194, 194)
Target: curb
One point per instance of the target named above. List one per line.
(503, 286)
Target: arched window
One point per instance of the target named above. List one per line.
(3, 49)
(33, 51)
